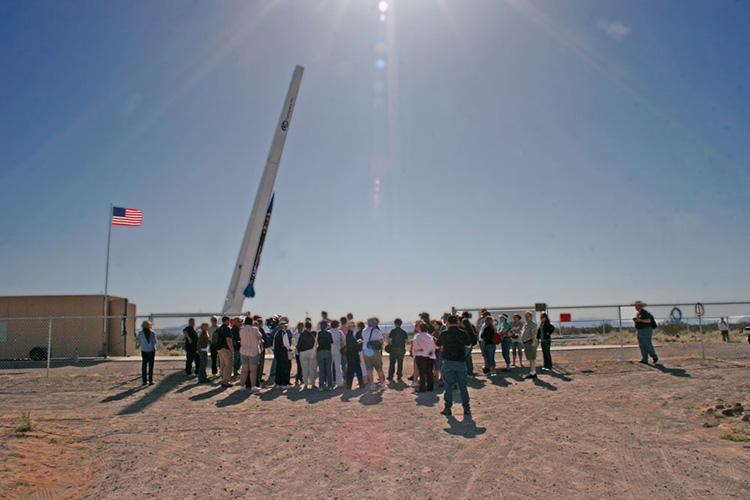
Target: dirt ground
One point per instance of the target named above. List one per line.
(595, 428)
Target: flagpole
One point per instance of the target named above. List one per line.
(106, 284)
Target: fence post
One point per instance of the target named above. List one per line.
(49, 345)
(622, 344)
(700, 329)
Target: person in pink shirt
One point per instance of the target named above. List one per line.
(251, 348)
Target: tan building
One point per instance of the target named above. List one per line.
(78, 326)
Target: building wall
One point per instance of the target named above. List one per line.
(70, 334)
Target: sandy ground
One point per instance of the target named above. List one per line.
(595, 428)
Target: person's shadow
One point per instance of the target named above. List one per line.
(543, 383)
(427, 398)
(467, 428)
(675, 372)
(371, 398)
(234, 398)
(122, 395)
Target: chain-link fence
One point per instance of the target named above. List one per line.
(44, 344)
(607, 332)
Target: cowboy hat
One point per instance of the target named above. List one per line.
(639, 303)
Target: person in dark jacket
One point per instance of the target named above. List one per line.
(306, 348)
(192, 354)
(397, 341)
(324, 342)
(544, 334)
(353, 350)
(644, 326)
(282, 354)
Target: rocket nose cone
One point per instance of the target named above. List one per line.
(249, 291)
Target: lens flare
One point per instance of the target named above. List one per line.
(383, 6)
(380, 64)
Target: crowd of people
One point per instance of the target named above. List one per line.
(334, 352)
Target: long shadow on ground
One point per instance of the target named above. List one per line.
(466, 428)
(164, 386)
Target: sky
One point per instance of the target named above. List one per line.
(441, 153)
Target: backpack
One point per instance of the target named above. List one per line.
(216, 339)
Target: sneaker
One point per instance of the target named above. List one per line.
(150, 383)
(446, 411)
(467, 411)
(530, 376)
(243, 388)
(255, 388)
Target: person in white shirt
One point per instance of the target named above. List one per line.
(724, 329)
(372, 339)
(338, 340)
(423, 350)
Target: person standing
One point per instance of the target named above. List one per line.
(306, 348)
(251, 349)
(262, 362)
(362, 365)
(469, 328)
(488, 352)
(282, 355)
(454, 342)
(236, 325)
(204, 341)
(372, 339)
(214, 352)
(506, 340)
(644, 326)
(397, 337)
(191, 347)
(516, 327)
(324, 342)
(339, 341)
(528, 338)
(226, 352)
(423, 350)
(147, 342)
(724, 329)
(544, 334)
(353, 352)
(295, 338)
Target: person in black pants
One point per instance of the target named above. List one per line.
(192, 354)
(397, 338)
(214, 353)
(353, 365)
(282, 347)
(544, 334)
(147, 342)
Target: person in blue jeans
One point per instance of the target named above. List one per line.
(454, 341)
(506, 339)
(469, 328)
(644, 326)
(324, 341)
(489, 347)
(147, 343)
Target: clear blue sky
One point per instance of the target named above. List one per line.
(501, 153)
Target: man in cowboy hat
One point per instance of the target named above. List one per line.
(644, 326)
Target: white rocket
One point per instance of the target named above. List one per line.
(243, 278)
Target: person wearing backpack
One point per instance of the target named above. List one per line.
(644, 326)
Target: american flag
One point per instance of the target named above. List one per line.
(126, 217)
